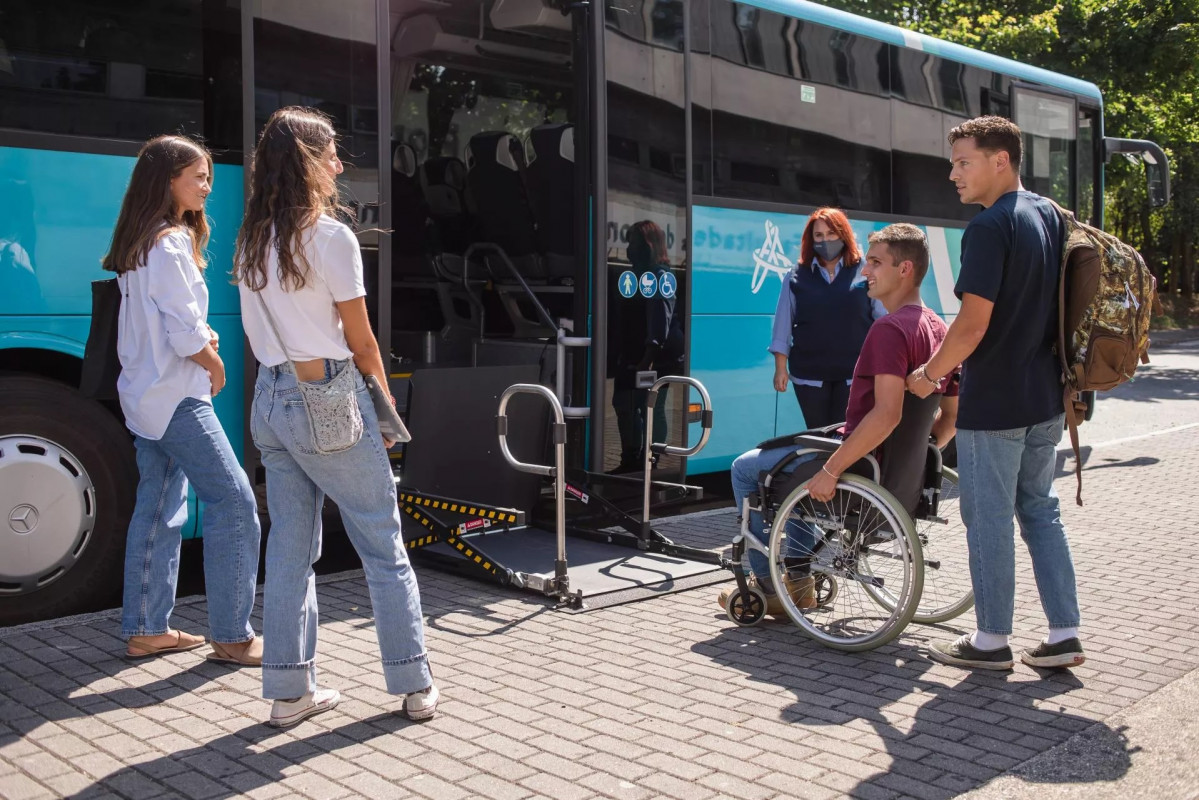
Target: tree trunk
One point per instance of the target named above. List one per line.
(1168, 281)
(1148, 245)
(1187, 276)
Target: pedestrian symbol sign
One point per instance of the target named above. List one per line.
(627, 283)
(649, 284)
(667, 285)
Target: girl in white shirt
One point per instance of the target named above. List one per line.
(304, 266)
(170, 371)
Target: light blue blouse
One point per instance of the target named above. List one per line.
(784, 316)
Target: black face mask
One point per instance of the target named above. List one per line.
(829, 249)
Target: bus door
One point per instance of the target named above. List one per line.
(641, 296)
(485, 182)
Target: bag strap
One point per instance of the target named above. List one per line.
(1068, 399)
(1069, 394)
(271, 321)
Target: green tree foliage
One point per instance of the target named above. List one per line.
(1143, 55)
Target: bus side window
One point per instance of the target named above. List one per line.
(1050, 126)
(99, 69)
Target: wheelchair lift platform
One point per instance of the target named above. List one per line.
(614, 559)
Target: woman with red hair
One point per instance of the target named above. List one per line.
(822, 318)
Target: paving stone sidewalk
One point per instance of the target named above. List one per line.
(662, 698)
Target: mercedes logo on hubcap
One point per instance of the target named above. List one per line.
(23, 519)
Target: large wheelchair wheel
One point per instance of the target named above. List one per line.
(948, 592)
(863, 542)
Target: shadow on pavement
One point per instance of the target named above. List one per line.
(241, 761)
(967, 728)
(1156, 385)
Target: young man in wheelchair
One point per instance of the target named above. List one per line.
(905, 338)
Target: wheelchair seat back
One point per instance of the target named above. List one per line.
(905, 452)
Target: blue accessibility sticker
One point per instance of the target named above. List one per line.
(627, 283)
(668, 284)
(649, 284)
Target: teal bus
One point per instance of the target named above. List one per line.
(497, 153)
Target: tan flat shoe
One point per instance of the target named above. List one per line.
(243, 654)
(141, 647)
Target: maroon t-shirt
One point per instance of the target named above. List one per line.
(895, 345)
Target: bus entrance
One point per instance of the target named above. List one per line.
(471, 171)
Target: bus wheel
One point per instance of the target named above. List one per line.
(68, 479)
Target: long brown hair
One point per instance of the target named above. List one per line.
(650, 233)
(149, 209)
(835, 218)
(290, 188)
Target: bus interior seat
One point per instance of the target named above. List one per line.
(496, 186)
(551, 183)
(409, 217)
(443, 184)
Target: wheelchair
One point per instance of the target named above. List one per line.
(888, 549)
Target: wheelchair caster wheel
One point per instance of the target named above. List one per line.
(825, 588)
(746, 608)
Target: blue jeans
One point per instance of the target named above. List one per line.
(745, 470)
(194, 448)
(359, 480)
(1011, 472)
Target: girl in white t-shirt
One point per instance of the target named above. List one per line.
(296, 259)
(170, 371)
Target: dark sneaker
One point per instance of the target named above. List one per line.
(960, 653)
(1052, 656)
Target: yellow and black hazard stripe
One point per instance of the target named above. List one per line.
(424, 521)
(482, 512)
(465, 549)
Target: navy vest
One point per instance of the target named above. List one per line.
(829, 325)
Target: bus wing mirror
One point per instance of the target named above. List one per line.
(1157, 166)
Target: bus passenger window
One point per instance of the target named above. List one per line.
(109, 69)
(1050, 126)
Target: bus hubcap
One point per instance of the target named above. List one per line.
(47, 512)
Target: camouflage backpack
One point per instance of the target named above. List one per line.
(1105, 296)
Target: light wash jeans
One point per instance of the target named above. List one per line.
(359, 480)
(194, 448)
(1010, 472)
(745, 470)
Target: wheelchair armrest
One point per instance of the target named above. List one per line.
(793, 439)
(822, 443)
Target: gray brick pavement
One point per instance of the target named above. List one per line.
(663, 698)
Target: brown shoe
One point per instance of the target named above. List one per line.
(169, 642)
(802, 591)
(244, 654)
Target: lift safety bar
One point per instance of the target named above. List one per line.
(651, 400)
(557, 472)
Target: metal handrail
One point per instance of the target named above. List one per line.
(557, 472)
(651, 400)
(499, 251)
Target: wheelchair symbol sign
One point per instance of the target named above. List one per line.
(649, 284)
(627, 284)
(667, 285)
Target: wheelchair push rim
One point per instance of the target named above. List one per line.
(947, 589)
(868, 547)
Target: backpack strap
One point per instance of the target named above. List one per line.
(1069, 395)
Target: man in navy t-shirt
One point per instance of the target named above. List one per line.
(1010, 414)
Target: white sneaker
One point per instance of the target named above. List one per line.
(285, 713)
(422, 704)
